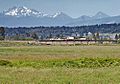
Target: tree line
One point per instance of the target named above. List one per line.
(43, 32)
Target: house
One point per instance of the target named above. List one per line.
(83, 38)
(70, 38)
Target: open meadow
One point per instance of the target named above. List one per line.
(21, 63)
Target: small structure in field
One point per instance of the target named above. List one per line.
(70, 38)
(83, 38)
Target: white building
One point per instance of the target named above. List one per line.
(70, 38)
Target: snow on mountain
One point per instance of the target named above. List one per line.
(61, 18)
(30, 17)
(56, 14)
(22, 11)
(61, 15)
(100, 15)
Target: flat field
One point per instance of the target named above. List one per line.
(84, 64)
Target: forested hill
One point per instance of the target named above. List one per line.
(64, 30)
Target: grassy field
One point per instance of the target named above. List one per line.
(32, 64)
(59, 75)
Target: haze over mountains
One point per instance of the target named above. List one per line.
(26, 17)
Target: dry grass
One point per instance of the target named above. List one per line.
(59, 76)
(35, 53)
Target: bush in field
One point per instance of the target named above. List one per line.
(79, 63)
(5, 63)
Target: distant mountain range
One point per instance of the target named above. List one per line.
(26, 17)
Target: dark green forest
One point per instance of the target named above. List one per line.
(64, 30)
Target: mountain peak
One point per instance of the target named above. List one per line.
(61, 15)
(24, 11)
(21, 11)
(100, 15)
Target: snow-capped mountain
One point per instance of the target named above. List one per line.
(60, 15)
(23, 16)
(22, 11)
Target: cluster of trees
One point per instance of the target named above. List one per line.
(2, 33)
(26, 36)
(117, 36)
(34, 36)
(57, 31)
(17, 36)
(96, 36)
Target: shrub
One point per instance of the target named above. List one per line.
(5, 63)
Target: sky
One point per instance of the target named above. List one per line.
(74, 8)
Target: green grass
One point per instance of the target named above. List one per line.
(59, 75)
(78, 63)
(58, 52)
(83, 64)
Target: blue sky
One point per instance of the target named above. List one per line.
(73, 8)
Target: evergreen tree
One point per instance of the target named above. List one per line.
(41, 37)
(97, 36)
(116, 37)
(2, 33)
(17, 36)
(34, 36)
(119, 36)
(58, 35)
(50, 35)
(94, 36)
